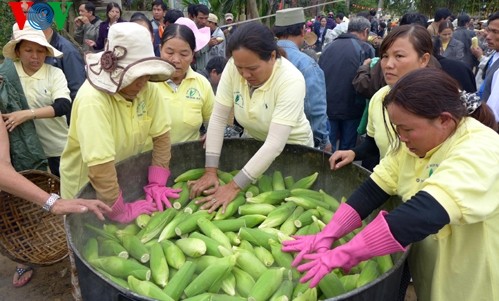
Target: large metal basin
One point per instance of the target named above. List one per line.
(298, 161)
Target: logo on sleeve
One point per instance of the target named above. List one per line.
(238, 99)
(193, 94)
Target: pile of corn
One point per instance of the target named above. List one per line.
(188, 254)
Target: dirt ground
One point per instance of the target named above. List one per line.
(51, 283)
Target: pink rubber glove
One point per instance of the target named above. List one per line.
(344, 221)
(126, 212)
(374, 240)
(157, 191)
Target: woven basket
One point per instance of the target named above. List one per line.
(28, 234)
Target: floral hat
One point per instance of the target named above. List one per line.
(128, 55)
(202, 35)
(28, 33)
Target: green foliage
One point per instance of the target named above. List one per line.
(6, 25)
(476, 8)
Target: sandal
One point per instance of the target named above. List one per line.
(20, 272)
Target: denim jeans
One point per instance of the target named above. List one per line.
(345, 131)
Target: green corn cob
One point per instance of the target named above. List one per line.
(306, 182)
(231, 209)
(210, 280)
(192, 247)
(278, 181)
(91, 249)
(210, 230)
(244, 281)
(369, 273)
(289, 181)
(135, 248)
(273, 197)
(252, 191)
(159, 268)
(157, 224)
(122, 268)
(264, 256)
(288, 227)
(331, 286)
(183, 197)
(180, 280)
(173, 254)
(278, 216)
(248, 262)
(148, 289)
(110, 247)
(190, 175)
(264, 183)
(256, 237)
(266, 285)
(263, 209)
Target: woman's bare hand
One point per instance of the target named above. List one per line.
(341, 158)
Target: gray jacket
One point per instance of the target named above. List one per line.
(464, 35)
(455, 50)
(88, 31)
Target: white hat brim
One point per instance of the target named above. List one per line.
(9, 50)
(159, 70)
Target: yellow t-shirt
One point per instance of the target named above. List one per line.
(107, 127)
(376, 126)
(460, 262)
(280, 100)
(41, 89)
(190, 105)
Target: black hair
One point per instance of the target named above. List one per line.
(172, 15)
(493, 17)
(138, 16)
(112, 5)
(462, 19)
(161, 3)
(179, 31)
(191, 10)
(218, 63)
(414, 18)
(442, 13)
(290, 30)
(90, 7)
(340, 16)
(201, 8)
(255, 37)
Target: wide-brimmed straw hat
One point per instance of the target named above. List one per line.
(202, 35)
(28, 33)
(128, 55)
(310, 38)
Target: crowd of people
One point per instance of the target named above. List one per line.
(417, 103)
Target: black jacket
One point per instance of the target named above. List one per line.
(340, 61)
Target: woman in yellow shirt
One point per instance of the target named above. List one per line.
(267, 94)
(440, 166)
(189, 94)
(405, 48)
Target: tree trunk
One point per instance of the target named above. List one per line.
(252, 9)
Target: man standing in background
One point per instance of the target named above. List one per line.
(86, 26)
(158, 14)
(216, 44)
(340, 61)
(290, 30)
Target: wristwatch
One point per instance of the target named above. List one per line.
(50, 202)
